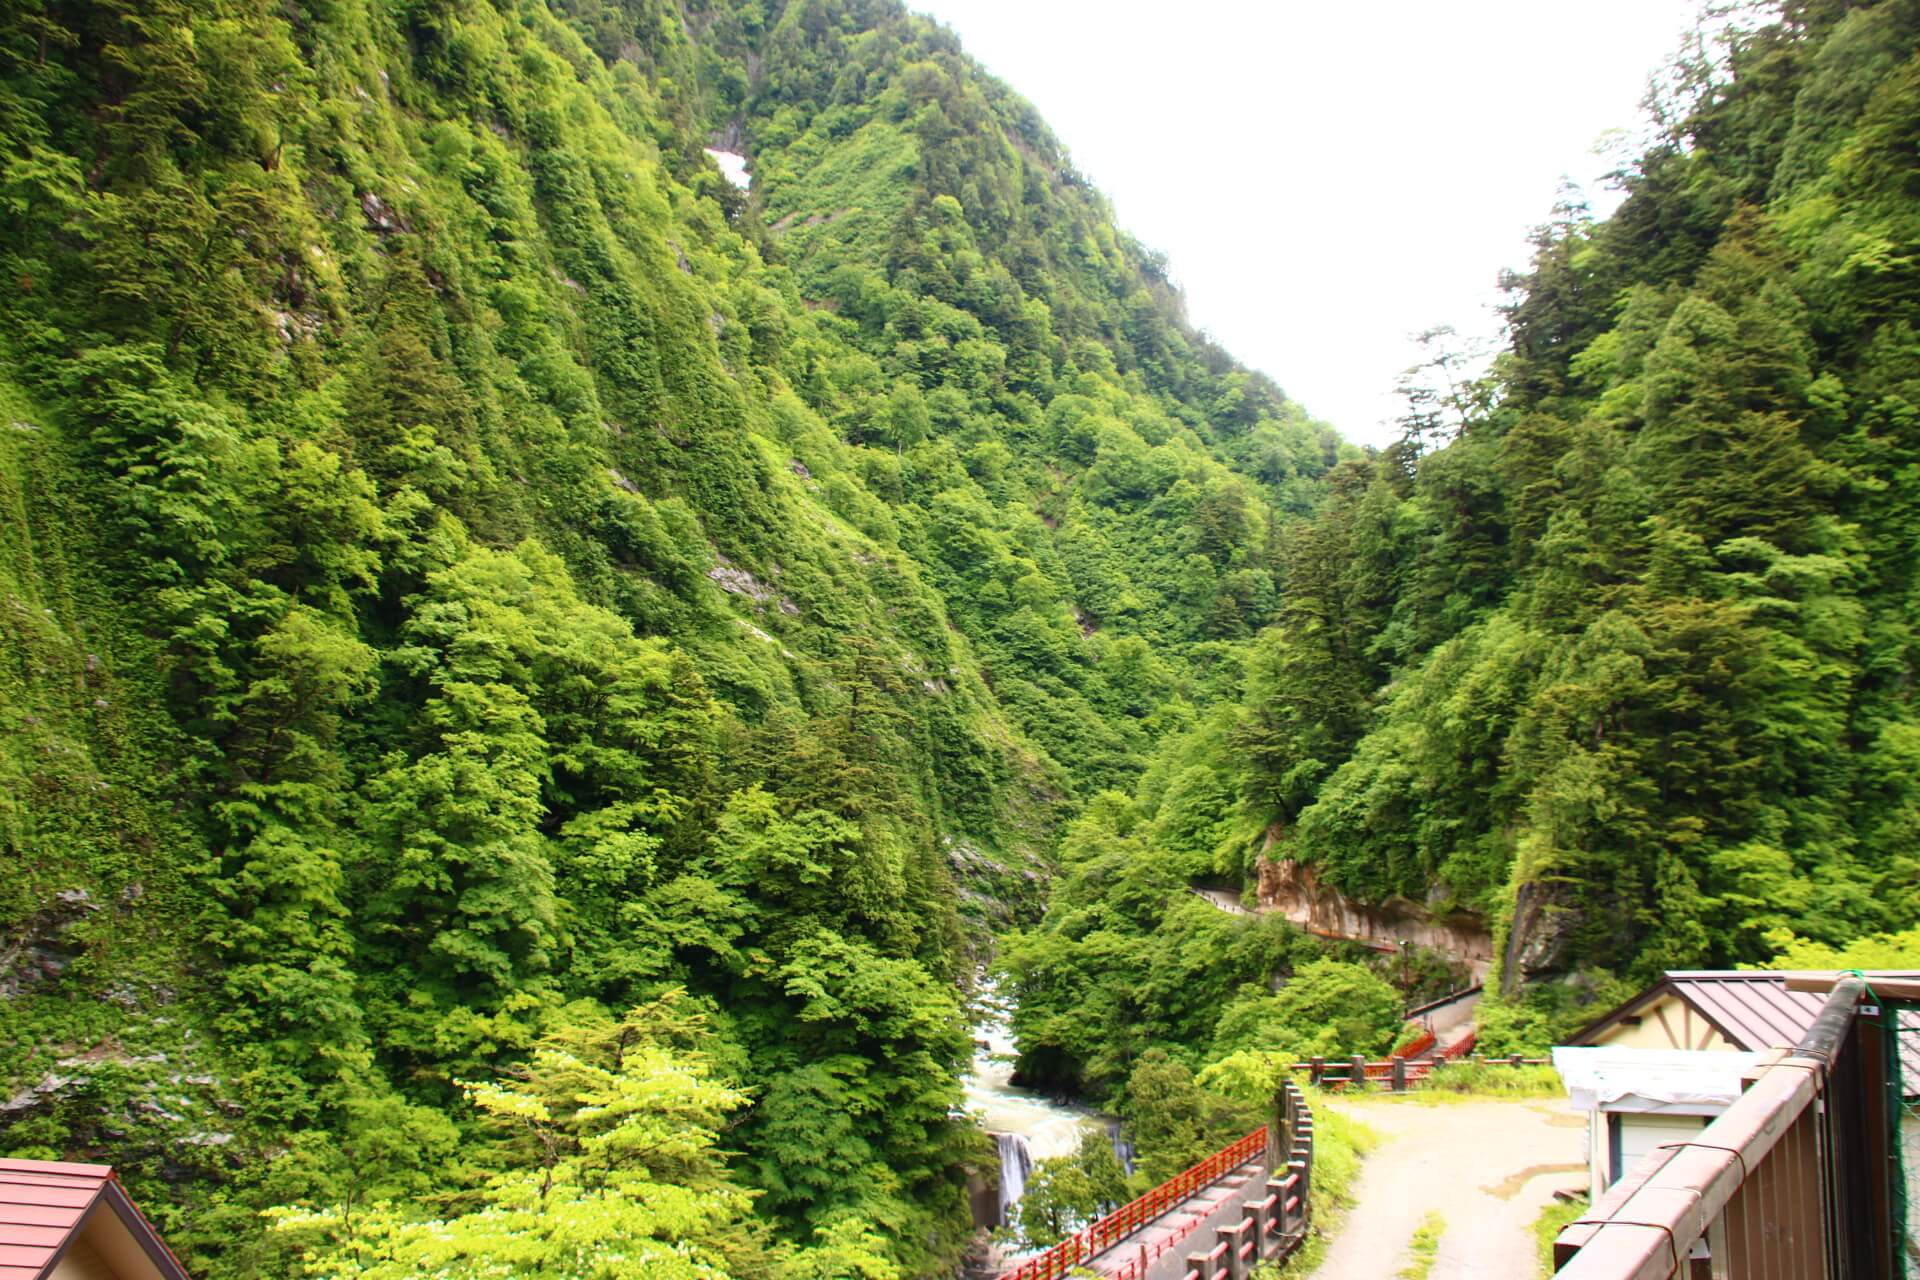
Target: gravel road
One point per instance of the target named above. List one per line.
(1487, 1167)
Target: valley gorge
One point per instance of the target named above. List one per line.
(582, 581)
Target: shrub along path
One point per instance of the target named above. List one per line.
(1486, 1166)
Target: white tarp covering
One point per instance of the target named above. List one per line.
(1682, 1081)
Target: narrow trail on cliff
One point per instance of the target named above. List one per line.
(1292, 890)
(1226, 901)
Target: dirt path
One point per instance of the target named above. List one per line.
(1486, 1167)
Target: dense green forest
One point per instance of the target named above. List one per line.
(1616, 649)
(532, 678)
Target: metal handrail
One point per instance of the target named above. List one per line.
(1447, 999)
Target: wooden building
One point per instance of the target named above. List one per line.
(75, 1222)
(1802, 1171)
(1736, 1013)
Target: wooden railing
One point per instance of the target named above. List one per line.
(1398, 1073)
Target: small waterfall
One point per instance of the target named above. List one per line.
(1016, 1162)
(1122, 1147)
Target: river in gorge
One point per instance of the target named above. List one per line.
(1027, 1126)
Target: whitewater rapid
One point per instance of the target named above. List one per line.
(1030, 1126)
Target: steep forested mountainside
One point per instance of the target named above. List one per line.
(527, 672)
(1618, 650)
(531, 674)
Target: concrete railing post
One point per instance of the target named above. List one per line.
(1303, 1165)
(1358, 1079)
(1202, 1265)
(1235, 1238)
(1316, 1070)
(1280, 1226)
(1399, 1084)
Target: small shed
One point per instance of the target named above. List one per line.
(1637, 1100)
(1661, 1066)
(63, 1221)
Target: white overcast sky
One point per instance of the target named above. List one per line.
(1329, 178)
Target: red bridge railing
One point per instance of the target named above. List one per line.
(1098, 1237)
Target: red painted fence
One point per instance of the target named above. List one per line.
(1102, 1235)
(1417, 1046)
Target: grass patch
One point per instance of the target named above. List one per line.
(1339, 1142)
(1485, 1080)
(1424, 1247)
(1552, 1220)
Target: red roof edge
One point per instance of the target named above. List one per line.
(115, 1195)
(57, 1166)
(98, 1183)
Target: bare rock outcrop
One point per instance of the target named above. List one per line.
(1292, 889)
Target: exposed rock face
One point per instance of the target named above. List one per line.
(380, 215)
(741, 583)
(1291, 889)
(38, 951)
(1540, 943)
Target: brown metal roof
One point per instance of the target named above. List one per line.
(44, 1204)
(1754, 1010)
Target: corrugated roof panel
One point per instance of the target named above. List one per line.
(36, 1215)
(20, 1178)
(1758, 1012)
(48, 1236)
(97, 1172)
(40, 1203)
(1755, 1014)
(51, 1197)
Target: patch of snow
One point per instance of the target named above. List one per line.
(733, 166)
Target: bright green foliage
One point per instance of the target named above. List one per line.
(609, 1137)
(1127, 960)
(1327, 1009)
(1065, 1193)
(1621, 666)
(465, 566)
(1175, 1121)
(1875, 951)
